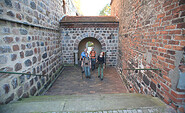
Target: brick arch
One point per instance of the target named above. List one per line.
(88, 35)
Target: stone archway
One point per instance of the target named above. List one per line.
(76, 29)
(85, 37)
(82, 45)
(90, 35)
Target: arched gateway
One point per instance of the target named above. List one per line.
(88, 43)
(77, 30)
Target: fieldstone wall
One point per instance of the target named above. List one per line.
(29, 50)
(105, 33)
(151, 35)
(30, 43)
(45, 13)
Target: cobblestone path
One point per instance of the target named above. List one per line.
(70, 82)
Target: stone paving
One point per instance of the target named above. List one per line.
(72, 94)
(139, 110)
(89, 103)
(70, 82)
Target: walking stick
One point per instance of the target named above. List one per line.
(82, 72)
(81, 69)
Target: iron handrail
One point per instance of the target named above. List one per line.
(20, 73)
(160, 72)
(142, 69)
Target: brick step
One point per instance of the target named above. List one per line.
(87, 103)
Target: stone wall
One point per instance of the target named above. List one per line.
(105, 33)
(30, 43)
(151, 35)
(45, 13)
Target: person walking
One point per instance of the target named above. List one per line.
(93, 58)
(86, 62)
(82, 57)
(83, 54)
(101, 62)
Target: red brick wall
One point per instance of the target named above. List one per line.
(114, 5)
(152, 36)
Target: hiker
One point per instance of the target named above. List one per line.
(101, 62)
(86, 64)
(81, 58)
(83, 54)
(93, 58)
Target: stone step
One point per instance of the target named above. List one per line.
(87, 103)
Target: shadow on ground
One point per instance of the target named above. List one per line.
(70, 82)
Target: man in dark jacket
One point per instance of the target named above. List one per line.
(100, 64)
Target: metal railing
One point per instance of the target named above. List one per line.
(141, 69)
(160, 72)
(20, 73)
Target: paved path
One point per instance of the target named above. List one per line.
(71, 94)
(89, 103)
(70, 82)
